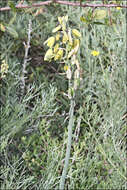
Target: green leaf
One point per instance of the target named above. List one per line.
(12, 6)
(83, 19)
(100, 14)
(99, 23)
(12, 32)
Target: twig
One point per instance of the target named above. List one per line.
(27, 46)
(110, 17)
(36, 5)
(90, 5)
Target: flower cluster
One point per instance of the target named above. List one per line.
(64, 43)
(64, 46)
(4, 69)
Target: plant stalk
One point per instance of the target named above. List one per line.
(67, 157)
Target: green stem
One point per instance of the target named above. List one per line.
(70, 125)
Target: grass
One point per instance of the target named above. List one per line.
(34, 131)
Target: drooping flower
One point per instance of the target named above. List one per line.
(76, 42)
(60, 19)
(63, 25)
(70, 37)
(66, 67)
(56, 29)
(2, 27)
(56, 47)
(65, 18)
(59, 54)
(76, 33)
(74, 50)
(49, 55)
(65, 38)
(57, 36)
(50, 42)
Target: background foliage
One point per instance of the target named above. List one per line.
(34, 125)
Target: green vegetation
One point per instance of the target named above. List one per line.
(35, 115)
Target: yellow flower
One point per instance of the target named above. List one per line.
(76, 42)
(2, 27)
(50, 41)
(60, 19)
(74, 50)
(48, 55)
(95, 53)
(56, 57)
(33, 160)
(56, 29)
(59, 54)
(76, 33)
(56, 48)
(70, 38)
(66, 18)
(57, 36)
(118, 8)
(65, 38)
(4, 69)
(66, 68)
(63, 26)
